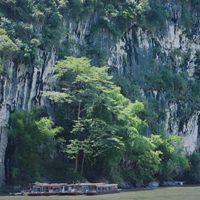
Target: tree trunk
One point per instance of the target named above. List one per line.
(76, 163)
(78, 118)
(79, 109)
(82, 165)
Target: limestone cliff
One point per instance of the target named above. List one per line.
(21, 89)
(138, 52)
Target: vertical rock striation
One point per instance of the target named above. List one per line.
(21, 88)
(137, 52)
(146, 51)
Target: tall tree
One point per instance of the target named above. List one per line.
(173, 158)
(106, 128)
(105, 117)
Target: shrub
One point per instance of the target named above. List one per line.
(7, 46)
(158, 14)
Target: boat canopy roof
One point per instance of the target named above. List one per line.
(50, 184)
(70, 185)
(87, 184)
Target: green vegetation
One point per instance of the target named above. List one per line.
(128, 87)
(196, 4)
(173, 163)
(104, 117)
(192, 174)
(31, 145)
(106, 129)
(7, 46)
(25, 20)
(174, 84)
(20, 19)
(101, 131)
(101, 124)
(158, 14)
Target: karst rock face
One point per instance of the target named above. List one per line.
(138, 51)
(21, 89)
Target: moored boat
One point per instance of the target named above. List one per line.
(74, 189)
(102, 188)
(71, 189)
(45, 189)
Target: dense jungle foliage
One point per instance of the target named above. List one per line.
(98, 121)
(31, 23)
(104, 133)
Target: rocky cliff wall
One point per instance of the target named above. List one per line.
(133, 54)
(137, 52)
(21, 88)
(147, 51)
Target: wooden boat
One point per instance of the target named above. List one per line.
(74, 189)
(102, 188)
(44, 189)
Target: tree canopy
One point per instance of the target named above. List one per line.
(32, 144)
(105, 118)
(106, 128)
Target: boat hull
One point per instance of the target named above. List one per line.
(70, 193)
(42, 194)
(100, 193)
